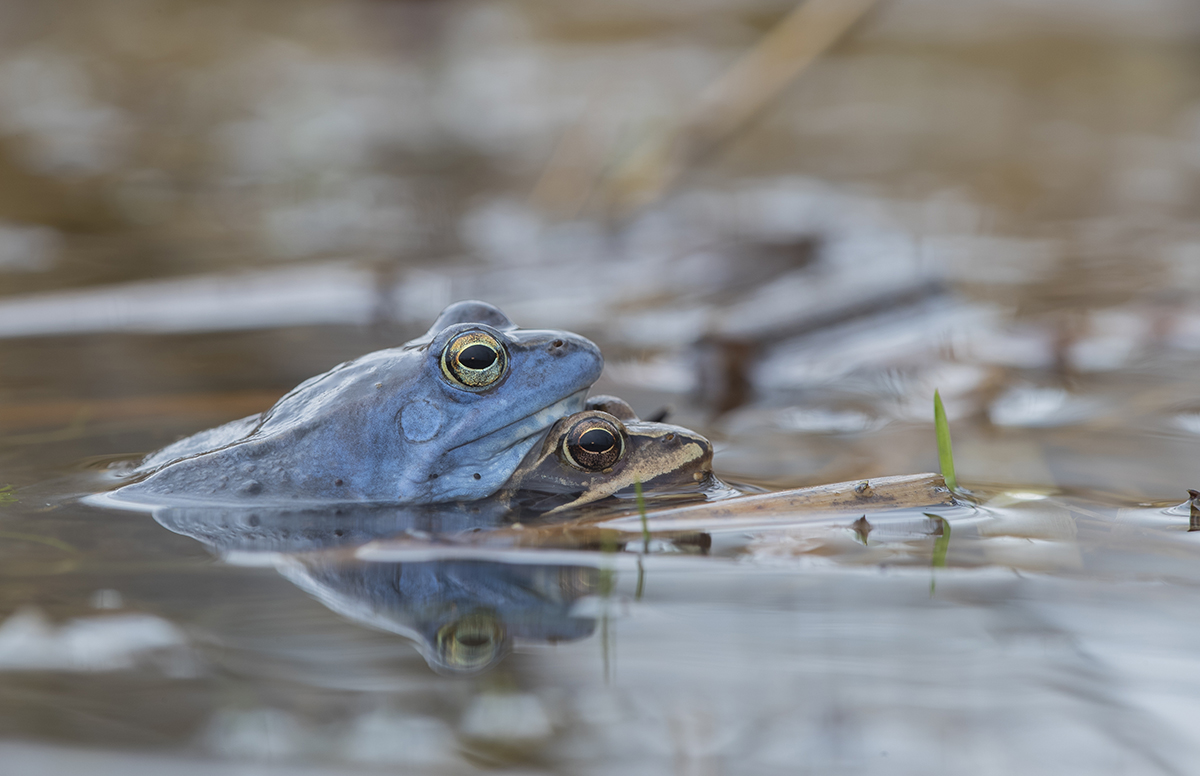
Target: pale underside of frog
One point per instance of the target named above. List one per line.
(446, 417)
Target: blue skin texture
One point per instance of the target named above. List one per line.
(387, 427)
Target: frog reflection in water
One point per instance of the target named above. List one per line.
(462, 615)
(446, 417)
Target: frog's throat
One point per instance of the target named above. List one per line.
(519, 432)
(490, 459)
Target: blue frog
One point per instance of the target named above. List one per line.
(446, 417)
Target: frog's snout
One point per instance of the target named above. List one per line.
(703, 462)
(582, 354)
(551, 365)
(560, 347)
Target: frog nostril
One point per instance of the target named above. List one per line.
(669, 438)
(556, 345)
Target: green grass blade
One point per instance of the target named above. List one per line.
(605, 585)
(641, 505)
(942, 544)
(945, 453)
(49, 541)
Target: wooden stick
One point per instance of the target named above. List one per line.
(907, 491)
(686, 526)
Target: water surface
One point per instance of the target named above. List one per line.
(203, 205)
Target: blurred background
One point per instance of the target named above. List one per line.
(787, 224)
(790, 225)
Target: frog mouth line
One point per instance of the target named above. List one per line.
(537, 424)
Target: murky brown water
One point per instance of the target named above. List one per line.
(202, 204)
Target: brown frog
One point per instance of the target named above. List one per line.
(603, 451)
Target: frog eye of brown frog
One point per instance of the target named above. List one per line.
(474, 360)
(594, 443)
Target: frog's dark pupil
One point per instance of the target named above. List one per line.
(473, 639)
(597, 440)
(477, 357)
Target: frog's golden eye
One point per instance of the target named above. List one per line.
(471, 642)
(593, 444)
(474, 360)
